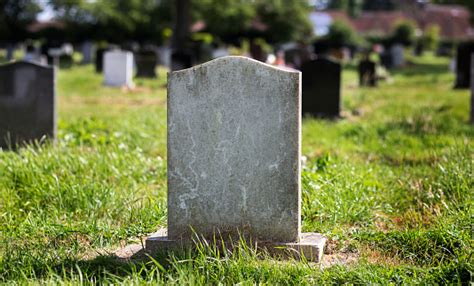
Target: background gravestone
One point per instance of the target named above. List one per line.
(146, 61)
(463, 64)
(87, 49)
(321, 87)
(398, 55)
(27, 103)
(99, 59)
(367, 73)
(472, 88)
(118, 68)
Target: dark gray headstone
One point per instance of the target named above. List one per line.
(386, 60)
(367, 73)
(463, 64)
(321, 87)
(99, 59)
(472, 88)
(146, 62)
(27, 103)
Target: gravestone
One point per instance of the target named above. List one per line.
(463, 64)
(99, 59)
(146, 61)
(27, 103)
(386, 60)
(472, 88)
(118, 68)
(321, 87)
(87, 49)
(367, 73)
(234, 148)
(398, 55)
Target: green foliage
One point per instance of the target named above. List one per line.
(431, 37)
(286, 20)
(353, 7)
(117, 21)
(404, 33)
(341, 34)
(15, 15)
(224, 18)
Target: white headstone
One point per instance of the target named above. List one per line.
(118, 68)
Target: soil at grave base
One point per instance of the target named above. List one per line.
(136, 253)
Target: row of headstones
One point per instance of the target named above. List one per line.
(27, 94)
(321, 87)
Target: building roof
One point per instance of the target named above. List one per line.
(453, 20)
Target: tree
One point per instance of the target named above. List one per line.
(14, 18)
(353, 7)
(340, 34)
(378, 5)
(119, 20)
(431, 37)
(404, 33)
(286, 20)
(225, 18)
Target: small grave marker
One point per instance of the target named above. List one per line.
(118, 68)
(367, 73)
(27, 103)
(321, 87)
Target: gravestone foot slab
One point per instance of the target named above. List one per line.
(310, 246)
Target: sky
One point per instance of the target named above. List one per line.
(47, 13)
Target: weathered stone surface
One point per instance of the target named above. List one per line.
(27, 103)
(321, 87)
(234, 132)
(118, 68)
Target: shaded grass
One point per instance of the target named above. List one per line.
(392, 182)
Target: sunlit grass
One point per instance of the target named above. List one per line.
(390, 184)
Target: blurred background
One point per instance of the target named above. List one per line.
(187, 32)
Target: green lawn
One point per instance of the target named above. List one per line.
(390, 185)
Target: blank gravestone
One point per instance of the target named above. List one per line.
(27, 103)
(367, 73)
(321, 88)
(146, 61)
(463, 64)
(118, 68)
(234, 140)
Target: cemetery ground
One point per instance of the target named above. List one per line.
(390, 185)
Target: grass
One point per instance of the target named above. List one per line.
(390, 186)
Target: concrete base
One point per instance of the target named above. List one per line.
(310, 246)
